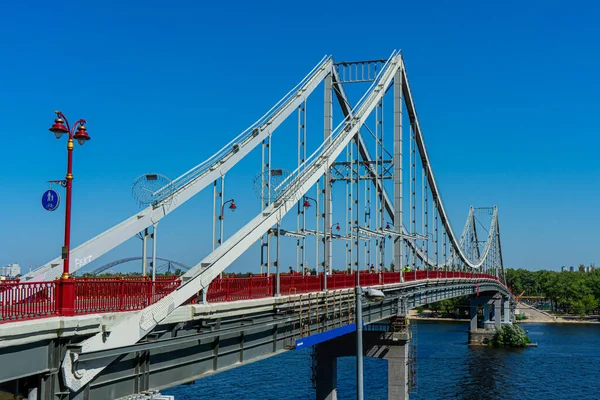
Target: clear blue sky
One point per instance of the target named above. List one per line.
(507, 95)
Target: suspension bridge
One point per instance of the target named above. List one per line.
(373, 260)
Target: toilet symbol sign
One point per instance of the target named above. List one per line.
(50, 200)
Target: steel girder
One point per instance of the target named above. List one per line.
(185, 188)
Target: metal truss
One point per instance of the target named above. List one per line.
(364, 178)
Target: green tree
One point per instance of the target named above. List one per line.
(589, 303)
(510, 336)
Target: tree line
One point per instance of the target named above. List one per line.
(576, 292)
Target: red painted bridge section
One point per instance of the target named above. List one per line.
(32, 300)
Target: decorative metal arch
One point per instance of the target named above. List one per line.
(128, 259)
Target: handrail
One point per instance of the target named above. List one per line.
(27, 300)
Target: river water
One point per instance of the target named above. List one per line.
(566, 365)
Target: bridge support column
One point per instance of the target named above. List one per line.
(473, 315)
(486, 312)
(479, 336)
(390, 343)
(325, 373)
(506, 304)
(398, 358)
(497, 314)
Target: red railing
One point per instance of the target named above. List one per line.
(231, 289)
(114, 295)
(23, 300)
(20, 301)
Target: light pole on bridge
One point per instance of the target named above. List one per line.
(232, 207)
(306, 204)
(59, 128)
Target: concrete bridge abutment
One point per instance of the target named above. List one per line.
(496, 312)
(389, 342)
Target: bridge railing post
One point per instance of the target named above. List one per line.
(148, 290)
(122, 294)
(250, 287)
(66, 297)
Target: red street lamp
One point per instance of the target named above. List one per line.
(59, 128)
(337, 227)
(231, 207)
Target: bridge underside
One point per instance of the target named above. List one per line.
(199, 340)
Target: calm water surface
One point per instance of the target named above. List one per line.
(566, 365)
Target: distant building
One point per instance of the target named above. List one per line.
(563, 268)
(11, 270)
(572, 268)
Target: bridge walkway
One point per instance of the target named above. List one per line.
(32, 300)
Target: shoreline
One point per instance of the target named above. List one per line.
(557, 320)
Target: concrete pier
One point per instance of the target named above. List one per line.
(389, 345)
(496, 311)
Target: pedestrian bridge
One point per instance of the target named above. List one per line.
(242, 322)
(104, 339)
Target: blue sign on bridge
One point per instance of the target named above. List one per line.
(50, 200)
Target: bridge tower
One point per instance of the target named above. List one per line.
(163, 324)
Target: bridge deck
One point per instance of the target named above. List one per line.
(201, 339)
(24, 301)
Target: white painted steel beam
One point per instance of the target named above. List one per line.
(190, 183)
(140, 323)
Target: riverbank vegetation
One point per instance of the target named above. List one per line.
(576, 292)
(456, 307)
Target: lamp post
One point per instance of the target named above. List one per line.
(326, 262)
(59, 128)
(306, 204)
(359, 345)
(371, 295)
(232, 207)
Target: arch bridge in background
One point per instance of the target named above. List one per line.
(129, 259)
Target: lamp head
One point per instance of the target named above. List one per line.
(81, 135)
(58, 128)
